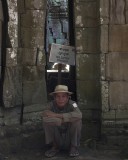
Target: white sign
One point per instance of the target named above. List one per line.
(62, 54)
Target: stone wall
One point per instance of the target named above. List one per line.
(114, 77)
(101, 43)
(24, 89)
(101, 64)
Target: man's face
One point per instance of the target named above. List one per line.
(61, 99)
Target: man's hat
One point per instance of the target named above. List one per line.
(61, 89)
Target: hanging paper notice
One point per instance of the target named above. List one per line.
(62, 54)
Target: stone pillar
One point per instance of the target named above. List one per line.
(87, 32)
(24, 89)
(31, 57)
(12, 87)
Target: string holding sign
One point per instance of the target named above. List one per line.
(62, 54)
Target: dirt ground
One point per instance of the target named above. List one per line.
(85, 154)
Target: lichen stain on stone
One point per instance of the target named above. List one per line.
(83, 58)
(102, 66)
(37, 15)
(12, 4)
(101, 20)
(13, 55)
(35, 40)
(79, 35)
(12, 30)
(12, 26)
(78, 8)
(13, 16)
(32, 70)
(79, 48)
(79, 21)
(100, 9)
(7, 91)
(81, 100)
(86, 56)
(40, 57)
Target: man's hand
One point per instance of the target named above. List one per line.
(48, 113)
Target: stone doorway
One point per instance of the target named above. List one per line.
(59, 30)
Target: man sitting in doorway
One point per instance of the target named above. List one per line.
(62, 123)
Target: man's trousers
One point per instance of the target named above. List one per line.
(66, 135)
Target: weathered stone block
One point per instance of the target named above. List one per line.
(37, 57)
(88, 94)
(34, 92)
(32, 73)
(33, 108)
(118, 38)
(12, 87)
(87, 40)
(91, 114)
(117, 10)
(33, 18)
(32, 117)
(104, 11)
(116, 66)
(12, 116)
(91, 131)
(24, 55)
(121, 116)
(118, 96)
(104, 39)
(32, 37)
(86, 14)
(17, 137)
(35, 4)
(87, 66)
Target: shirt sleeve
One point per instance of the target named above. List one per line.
(73, 115)
(51, 120)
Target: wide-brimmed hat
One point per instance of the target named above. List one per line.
(61, 89)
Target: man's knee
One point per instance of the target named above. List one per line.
(76, 124)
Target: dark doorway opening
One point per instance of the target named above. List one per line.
(59, 30)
